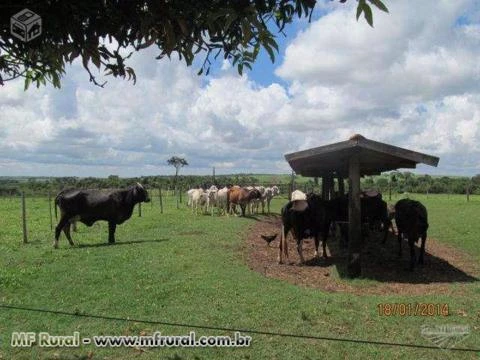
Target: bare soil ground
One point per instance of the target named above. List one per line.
(446, 269)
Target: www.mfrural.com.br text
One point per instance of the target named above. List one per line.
(45, 339)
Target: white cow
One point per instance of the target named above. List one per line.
(256, 202)
(222, 200)
(199, 199)
(190, 195)
(276, 190)
(270, 192)
(212, 194)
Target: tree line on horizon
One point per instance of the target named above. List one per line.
(396, 182)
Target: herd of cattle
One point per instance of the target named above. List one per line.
(309, 215)
(305, 215)
(249, 199)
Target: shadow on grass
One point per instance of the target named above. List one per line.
(81, 246)
(381, 262)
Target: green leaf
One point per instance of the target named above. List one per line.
(379, 4)
(359, 9)
(28, 80)
(367, 11)
(96, 59)
(269, 51)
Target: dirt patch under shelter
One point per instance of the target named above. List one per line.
(444, 265)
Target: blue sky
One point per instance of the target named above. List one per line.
(411, 81)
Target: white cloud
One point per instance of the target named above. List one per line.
(411, 81)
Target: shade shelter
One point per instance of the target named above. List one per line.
(352, 159)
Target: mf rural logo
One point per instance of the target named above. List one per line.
(26, 25)
(445, 336)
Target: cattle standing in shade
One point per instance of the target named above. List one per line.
(373, 212)
(412, 222)
(89, 206)
(305, 217)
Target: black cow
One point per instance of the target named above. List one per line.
(412, 222)
(89, 206)
(309, 222)
(373, 212)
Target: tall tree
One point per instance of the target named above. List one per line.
(233, 29)
(178, 163)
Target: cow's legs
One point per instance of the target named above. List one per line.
(111, 232)
(422, 248)
(74, 225)
(58, 229)
(386, 227)
(317, 243)
(66, 230)
(411, 242)
(243, 206)
(399, 238)
(300, 251)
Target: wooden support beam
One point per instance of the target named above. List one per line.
(354, 217)
(330, 187)
(341, 185)
(323, 188)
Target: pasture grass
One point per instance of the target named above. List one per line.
(180, 268)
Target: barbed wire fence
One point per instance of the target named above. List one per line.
(235, 329)
(162, 197)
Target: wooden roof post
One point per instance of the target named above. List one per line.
(341, 185)
(324, 187)
(354, 218)
(331, 187)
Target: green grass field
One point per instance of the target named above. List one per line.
(180, 268)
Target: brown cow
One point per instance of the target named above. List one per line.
(237, 195)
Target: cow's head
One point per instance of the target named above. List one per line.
(140, 193)
(254, 194)
(275, 190)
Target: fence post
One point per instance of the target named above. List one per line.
(180, 193)
(176, 196)
(160, 197)
(50, 209)
(24, 219)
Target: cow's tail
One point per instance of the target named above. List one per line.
(55, 203)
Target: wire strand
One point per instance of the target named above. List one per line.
(249, 331)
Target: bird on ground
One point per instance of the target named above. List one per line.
(269, 238)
